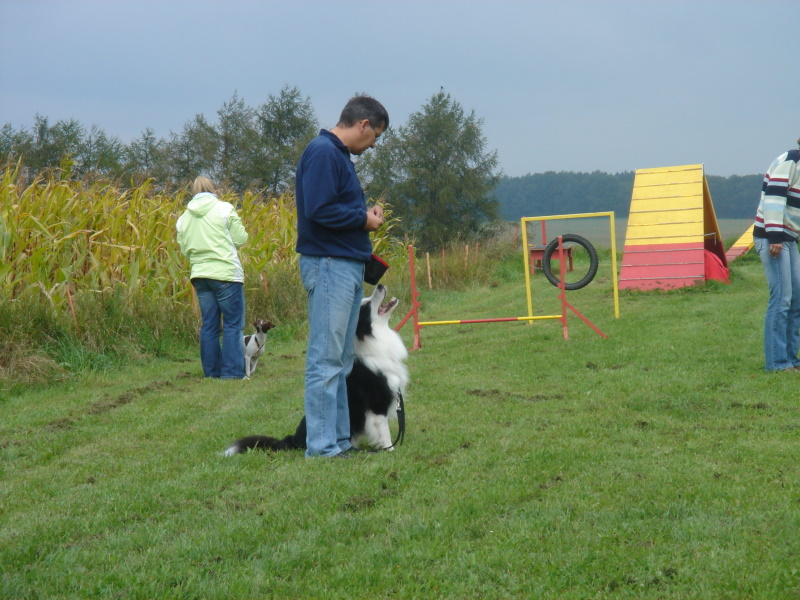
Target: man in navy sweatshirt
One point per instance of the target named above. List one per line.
(333, 227)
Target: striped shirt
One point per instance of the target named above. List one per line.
(778, 215)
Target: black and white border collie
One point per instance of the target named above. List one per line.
(375, 387)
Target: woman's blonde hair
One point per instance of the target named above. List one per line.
(203, 184)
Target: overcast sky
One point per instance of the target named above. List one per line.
(560, 85)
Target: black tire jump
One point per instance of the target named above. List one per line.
(553, 247)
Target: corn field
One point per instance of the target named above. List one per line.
(61, 238)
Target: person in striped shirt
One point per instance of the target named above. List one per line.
(775, 237)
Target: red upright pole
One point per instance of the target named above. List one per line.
(414, 296)
(414, 312)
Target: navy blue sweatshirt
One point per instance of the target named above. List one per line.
(331, 207)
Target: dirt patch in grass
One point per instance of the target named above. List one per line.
(110, 403)
(498, 395)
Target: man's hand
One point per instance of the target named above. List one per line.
(775, 250)
(374, 218)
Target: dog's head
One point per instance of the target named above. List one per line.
(374, 311)
(262, 326)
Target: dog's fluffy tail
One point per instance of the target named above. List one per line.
(261, 442)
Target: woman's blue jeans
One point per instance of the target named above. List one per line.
(335, 287)
(782, 321)
(222, 309)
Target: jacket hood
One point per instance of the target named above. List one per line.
(201, 204)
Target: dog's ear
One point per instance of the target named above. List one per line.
(364, 325)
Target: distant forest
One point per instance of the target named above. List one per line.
(551, 193)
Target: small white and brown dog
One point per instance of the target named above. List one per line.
(254, 345)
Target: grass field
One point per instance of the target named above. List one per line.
(661, 462)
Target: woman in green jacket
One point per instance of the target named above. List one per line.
(209, 234)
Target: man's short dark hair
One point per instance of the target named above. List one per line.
(363, 107)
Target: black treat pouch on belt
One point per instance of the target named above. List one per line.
(374, 269)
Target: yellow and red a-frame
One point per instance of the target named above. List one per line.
(673, 237)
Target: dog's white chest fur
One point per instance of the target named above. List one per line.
(384, 352)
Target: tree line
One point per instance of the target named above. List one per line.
(247, 147)
(555, 193)
(434, 170)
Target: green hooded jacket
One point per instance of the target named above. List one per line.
(209, 234)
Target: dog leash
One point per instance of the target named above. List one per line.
(401, 421)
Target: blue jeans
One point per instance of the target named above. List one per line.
(222, 307)
(335, 287)
(782, 321)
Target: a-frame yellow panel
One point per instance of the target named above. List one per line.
(666, 206)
